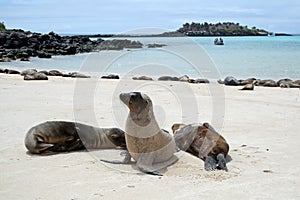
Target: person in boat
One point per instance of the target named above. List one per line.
(221, 40)
(216, 41)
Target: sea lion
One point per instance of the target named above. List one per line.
(204, 142)
(265, 83)
(28, 71)
(145, 78)
(230, 80)
(152, 148)
(248, 87)
(62, 136)
(168, 78)
(111, 76)
(35, 76)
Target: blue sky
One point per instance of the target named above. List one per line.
(117, 16)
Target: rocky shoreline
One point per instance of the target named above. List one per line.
(20, 44)
(249, 84)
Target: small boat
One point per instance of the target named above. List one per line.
(219, 41)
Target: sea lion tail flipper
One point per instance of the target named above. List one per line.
(127, 159)
(145, 164)
(112, 161)
(221, 162)
(210, 163)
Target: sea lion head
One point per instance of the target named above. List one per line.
(177, 126)
(117, 136)
(140, 106)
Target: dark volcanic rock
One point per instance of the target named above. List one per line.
(119, 44)
(154, 45)
(42, 54)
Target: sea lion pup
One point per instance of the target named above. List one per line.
(204, 142)
(152, 148)
(62, 136)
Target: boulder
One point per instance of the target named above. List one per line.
(42, 54)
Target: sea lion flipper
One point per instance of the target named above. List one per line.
(210, 163)
(43, 146)
(127, 159)
(145, 164)
(221, 162)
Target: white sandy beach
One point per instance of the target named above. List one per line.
(261, 127)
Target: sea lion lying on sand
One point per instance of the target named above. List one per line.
(204, 142)
(62, 136)
(152, 148)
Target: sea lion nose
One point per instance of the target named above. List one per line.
(125, 97)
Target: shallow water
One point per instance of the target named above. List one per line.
(260, 57)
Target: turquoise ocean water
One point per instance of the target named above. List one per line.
(242, 57)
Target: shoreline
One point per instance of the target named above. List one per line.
(228, 81)
(261, 128)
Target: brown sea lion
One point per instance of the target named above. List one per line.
(248, 87)
(145, 78)
(204, 142)
(152, 148)
(62, 136)
(35, 76)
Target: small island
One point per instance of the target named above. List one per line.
(220, 29)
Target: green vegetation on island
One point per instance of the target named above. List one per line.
(2, 26)
(220, 29)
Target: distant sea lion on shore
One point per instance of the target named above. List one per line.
(35, 76)
(152, 148)
(62, 136)
(145, 78)
(204, 142)
(248, 87)
(168, 78)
